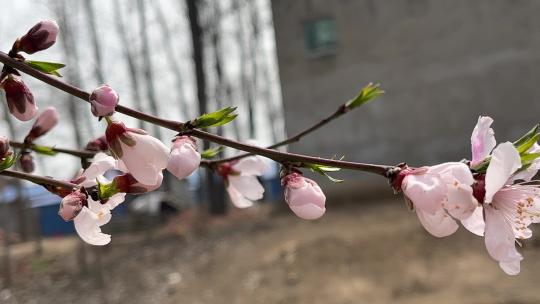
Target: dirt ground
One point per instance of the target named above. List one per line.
(365, 252)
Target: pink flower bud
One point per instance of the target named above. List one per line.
(98, 144)
(184, 158)
(43, 124)
(304, 196)
(72, 204)
(19, 98)
(27, 163)
(40, 37)
(4, 146)
(104, 100)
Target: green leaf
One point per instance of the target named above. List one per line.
(106, 191)
(44, 150)
(322, 170)
(215, 119)
(46, 67)
(8, 161)
(211, 153)
(368, 93)
(523, 148)
(527, 136)
(528, 158)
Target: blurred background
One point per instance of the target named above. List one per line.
(285, 65)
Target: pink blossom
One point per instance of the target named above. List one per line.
(304, 196)
(72, 205)
(40, 37)
(19, 99)
(143, 155)
(103, 100)
(184, 158)
(439, 195)
(241, 180)
(43, 124)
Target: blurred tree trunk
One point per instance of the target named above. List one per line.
(245, 83)
(173, 62)
(197, 38)
(91, 18)
(147, 64)
(133, 70)
(69, 47)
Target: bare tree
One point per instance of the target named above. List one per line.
(130, 58)
(173, 61)
(147, 63)
(91, 18)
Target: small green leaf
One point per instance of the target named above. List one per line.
(322, 170)
(528, 158)
(211, 153)
(106, 191)
(527, 136)
(215, 119)
(367, 94)
(44, 150)
(46, 67)
(8, 161)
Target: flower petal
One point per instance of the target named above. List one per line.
(87, 227)
(482, 140)
(475, 222)
(460, 202)
(426, 191)
(511, 268)
(248, 186)
(505, 160)
(308, 211)
(499, 237)
(237, 198)
(146, 158)
(439, 224)
(251, 165)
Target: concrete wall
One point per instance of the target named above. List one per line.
(442, 64)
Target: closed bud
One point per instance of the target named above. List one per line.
(184, 158)
(40, 37)
(98, 144)
(43, 124)
(103, 100)
(304, 196)
(27, 162)
(4, 146)
(19, 98)
(72, 204)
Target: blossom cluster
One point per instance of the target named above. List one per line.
(490, 195)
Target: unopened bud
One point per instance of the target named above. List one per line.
(184, 158)
(27, 162)
(40, 37)
(72, 204)
(126, 183)
(43, 124)
(104, 100)
(19, 98)
(304, 196)
(98, 144)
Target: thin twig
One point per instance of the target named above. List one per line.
(277, 156)
(78, 153)
(40, 180)
(295, 138)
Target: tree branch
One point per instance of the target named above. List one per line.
(277, 156)
(40, 180)
(78, 153)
